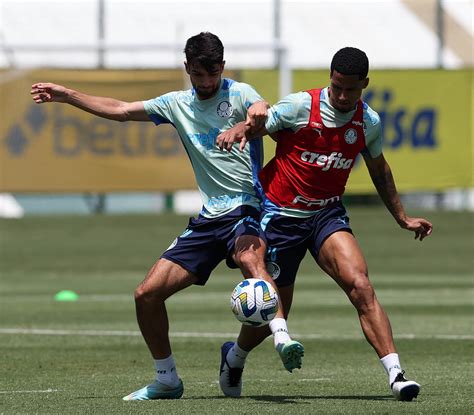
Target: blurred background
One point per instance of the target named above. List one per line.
(55, 159)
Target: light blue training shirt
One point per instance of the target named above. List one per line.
(225, 179)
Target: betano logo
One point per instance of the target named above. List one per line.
(20, 135)
(72, 136)
(208, 141)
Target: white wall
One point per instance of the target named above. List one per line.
(312, 30)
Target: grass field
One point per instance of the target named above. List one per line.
(82, 357)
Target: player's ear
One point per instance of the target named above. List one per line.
(366, 83)
(222, 66)
(186, 67)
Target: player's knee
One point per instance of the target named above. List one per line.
(141, 294)
(144, 295)
(362, 293)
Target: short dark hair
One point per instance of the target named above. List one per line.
(350, 61)
(206, 49)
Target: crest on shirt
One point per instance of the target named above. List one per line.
(224, 109)
(350, 136)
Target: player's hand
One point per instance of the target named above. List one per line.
(420, 226)
(47, 92)
(257, 115)
(236, 134)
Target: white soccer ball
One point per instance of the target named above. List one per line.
(254, 302)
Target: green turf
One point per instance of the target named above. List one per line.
(427, 289)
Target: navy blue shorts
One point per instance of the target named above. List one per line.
(206, 242)
(288, 239)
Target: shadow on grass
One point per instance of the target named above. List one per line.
(296, 398)
(292, 399)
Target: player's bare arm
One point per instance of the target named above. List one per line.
(257, 115)
(253, 126)
(382, 178)
(110, 108)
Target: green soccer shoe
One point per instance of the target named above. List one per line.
(156, 390)
(291, 353)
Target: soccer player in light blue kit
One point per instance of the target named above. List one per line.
(227, 226)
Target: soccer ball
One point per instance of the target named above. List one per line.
(254, 302)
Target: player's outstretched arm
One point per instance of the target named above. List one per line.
(382, 178)
(104, 107)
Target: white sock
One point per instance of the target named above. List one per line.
(236, 356)
(166, 372)
(280, 331)
(391, 363)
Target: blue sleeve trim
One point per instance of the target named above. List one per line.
(158, 120)
(256, 160)
(227, 84)
(248, 104)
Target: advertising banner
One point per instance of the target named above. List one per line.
(427, 119)
(58, 148)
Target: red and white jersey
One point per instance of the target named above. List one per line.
(311, 166)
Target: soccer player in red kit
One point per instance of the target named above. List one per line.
(319, 134)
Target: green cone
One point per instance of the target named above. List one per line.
(66, 295)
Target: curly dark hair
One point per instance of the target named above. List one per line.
(205, 49)
(350, 61)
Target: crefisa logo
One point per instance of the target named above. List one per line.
(224, 109)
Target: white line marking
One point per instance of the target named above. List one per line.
(51, 332)
(313, 380)
(309, 336)
(45, 391)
